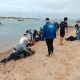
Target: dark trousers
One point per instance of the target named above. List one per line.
(49, 43)
(15, 56)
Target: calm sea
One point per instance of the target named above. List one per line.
(12, 30)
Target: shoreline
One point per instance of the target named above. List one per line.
(9, 48)
(64, 64)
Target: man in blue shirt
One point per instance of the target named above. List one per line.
(49, 33)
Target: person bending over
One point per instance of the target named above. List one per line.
(21, 50)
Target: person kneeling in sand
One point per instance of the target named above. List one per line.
(21, 50)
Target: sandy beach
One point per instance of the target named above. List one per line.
(64, 64)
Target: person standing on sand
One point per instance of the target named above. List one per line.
(49, 32)
(63, 25)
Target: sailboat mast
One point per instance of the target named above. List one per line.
(19, 13)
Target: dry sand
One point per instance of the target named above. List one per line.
(63, 65)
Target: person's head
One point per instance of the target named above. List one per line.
(27, 31)
(47, 20)
(76, 25)
(65, 19)
(25, 35)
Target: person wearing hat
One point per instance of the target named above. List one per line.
(49, 35)
(63, 26)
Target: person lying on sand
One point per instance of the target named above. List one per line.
(21, 49)
(17, 55)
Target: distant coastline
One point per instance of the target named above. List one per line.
(16, 18)
(78, 21)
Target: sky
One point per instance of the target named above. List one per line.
(40, 8)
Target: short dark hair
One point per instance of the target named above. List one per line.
(27, 31)
(65, 19)
(47, 19)
(25, 34)
(76, 25)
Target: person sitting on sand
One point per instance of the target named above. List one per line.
(30, 39)
(78, 34)
(63, 25)
(21, 49)
(40, 34)
(49, 35)
(77, 27)
(35, 36)
(29, 34)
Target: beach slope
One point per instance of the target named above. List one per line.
(64, 64)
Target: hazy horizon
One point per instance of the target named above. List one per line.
(40, 8)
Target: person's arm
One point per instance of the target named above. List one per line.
(66, 29)
(26, 39)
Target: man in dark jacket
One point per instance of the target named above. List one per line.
(63, 26)
(49, 32)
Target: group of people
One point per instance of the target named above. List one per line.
(23, 48)
(35, 36)
(50, 30)
(48, 33)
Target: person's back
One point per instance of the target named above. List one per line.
(24, 42)
(49, 30)
(63, 25)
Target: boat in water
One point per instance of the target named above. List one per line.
(20, 20)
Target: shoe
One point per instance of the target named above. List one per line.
(48, 55)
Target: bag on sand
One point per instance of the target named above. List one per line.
(71, 38)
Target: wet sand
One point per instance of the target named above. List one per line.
(64, 64)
